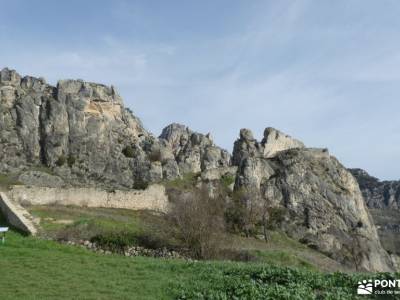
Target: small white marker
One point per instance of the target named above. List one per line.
(3, 230)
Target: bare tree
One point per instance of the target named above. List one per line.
(249, 211)
(264, 220)
(198, 221)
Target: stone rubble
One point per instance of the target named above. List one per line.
(131, 251)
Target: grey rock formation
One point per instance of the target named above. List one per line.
(323, 204)
(83, 134)
(38, 178)
(378, 194)
(383, 200)
(80, 130)
(192, 151)
(273, 142)
(80, 134)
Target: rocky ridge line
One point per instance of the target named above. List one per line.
(81, 133)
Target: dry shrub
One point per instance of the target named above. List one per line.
(251, 214)
(197, 220)
(245, 212)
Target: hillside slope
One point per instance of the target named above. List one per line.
(80, 133)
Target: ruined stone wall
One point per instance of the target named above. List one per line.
(16, 215)
(153, 198)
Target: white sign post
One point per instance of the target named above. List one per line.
(3, 230)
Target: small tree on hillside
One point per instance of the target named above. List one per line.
(247, 211)
(198, 221)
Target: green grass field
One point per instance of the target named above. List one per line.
(84, 223)
(36, 268)
(32, 268)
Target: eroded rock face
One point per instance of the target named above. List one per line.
(80, 130)
(41, 179)
(82, 135)
(378, 194)
(85, 135)
(383, 201)
(274, 141)
(192, 151)
(323, 205)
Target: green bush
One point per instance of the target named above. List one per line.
(140, 184)
(276, 217)
(115, 241)
(155, 155)
(8, 180)
(187, 182)
(61, 160)
(71, 160)
(227, 180)
(129, 152)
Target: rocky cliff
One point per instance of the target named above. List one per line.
(193, 152)
(378, 194)
(80, 133)
(83, 133)
(383, 200)
(323, 204)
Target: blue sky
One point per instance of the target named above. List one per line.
(326, 72)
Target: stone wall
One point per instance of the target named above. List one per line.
(153, 198)
(16, 215)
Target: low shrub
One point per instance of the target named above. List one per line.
(71, 160)
(140, 184)
(227, 180)
(115, 241)
(187, 182)
(155, 155)
(7, 180)
(128, 151)
(61, 160)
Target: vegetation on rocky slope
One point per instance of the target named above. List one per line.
(33, 268)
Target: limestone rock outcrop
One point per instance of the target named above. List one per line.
(378, 194)
(273, 142)
(83, 133)
(192, 151)
(323, 205)
(80, 130)
(383, 201)
(79, 134)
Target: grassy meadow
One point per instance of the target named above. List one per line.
(40, 268)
